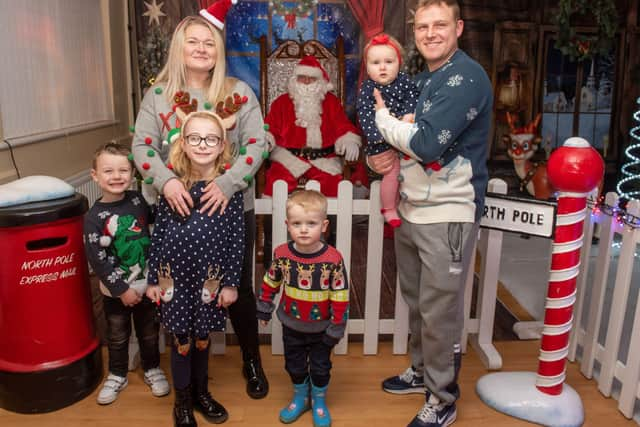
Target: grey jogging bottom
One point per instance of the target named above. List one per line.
(433, 260)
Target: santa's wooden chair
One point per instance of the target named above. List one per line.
(276, 68)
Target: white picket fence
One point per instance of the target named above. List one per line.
(585, 345)
(345, 207)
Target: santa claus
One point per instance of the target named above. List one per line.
(307, 131)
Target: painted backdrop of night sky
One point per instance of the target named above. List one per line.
(248, 20)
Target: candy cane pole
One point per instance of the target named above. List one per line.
(574, 169)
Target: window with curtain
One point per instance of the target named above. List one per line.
(54, 64)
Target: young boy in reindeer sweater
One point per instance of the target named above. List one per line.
(314, 306)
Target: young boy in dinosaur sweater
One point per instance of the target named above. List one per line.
(116, 236)
(314, 307)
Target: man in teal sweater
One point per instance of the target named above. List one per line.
(443, 181)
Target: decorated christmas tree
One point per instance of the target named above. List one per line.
(629, 183)
(152, 55)
(315, 312)
(294, 310)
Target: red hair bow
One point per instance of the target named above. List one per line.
(380, 39)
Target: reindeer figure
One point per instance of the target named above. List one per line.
(338, 278)
(325, 277)
(304, 276)
(211, 285)
(522, 143)
(285, 266)
(166, 283)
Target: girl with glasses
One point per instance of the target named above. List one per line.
(195, 263)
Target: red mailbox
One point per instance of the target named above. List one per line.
(50, 356)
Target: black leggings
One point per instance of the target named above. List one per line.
(243, 312)
(191, 368)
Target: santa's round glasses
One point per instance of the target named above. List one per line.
(210, 140)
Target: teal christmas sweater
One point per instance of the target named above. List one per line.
(452, 123)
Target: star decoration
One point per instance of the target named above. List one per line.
(154, 12)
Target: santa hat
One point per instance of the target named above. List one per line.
(310, 66)
(217, 12)
(110, 228)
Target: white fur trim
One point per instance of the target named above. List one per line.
(314, 136)
(283, 156)
(331, 165)
(104, 241)
(305, 70)
(112, 224)
(214, 21)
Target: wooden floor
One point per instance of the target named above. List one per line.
(355, 398)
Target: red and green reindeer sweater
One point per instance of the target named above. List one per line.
(316, 291)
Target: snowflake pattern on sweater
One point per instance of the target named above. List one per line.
(104, 261)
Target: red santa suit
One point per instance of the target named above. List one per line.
(299, 149)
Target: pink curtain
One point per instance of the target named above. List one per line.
(370, 16)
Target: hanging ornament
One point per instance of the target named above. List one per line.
(302, 9)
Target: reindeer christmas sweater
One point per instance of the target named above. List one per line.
(316, 291)
(157, 118)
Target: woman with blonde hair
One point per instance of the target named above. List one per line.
(194, 80)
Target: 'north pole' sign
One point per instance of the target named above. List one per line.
(505, 213)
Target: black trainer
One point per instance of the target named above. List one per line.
(257, 384)
(212, 410)
(405, 383)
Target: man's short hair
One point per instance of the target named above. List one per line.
(453, 4)
(111, 148)
(309, 200)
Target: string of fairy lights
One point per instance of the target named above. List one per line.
(619, 213)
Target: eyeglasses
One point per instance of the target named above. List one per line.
(210, 140)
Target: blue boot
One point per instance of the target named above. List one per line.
(321, 416)
(299, 403)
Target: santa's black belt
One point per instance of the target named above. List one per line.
(311, 153)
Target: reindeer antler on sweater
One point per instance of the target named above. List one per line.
(228, 108)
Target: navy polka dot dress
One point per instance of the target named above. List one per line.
(190, 247)
(400, 97)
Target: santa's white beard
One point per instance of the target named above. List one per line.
(307, 102)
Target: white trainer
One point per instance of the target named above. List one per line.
(110, 389)
(157, 381)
